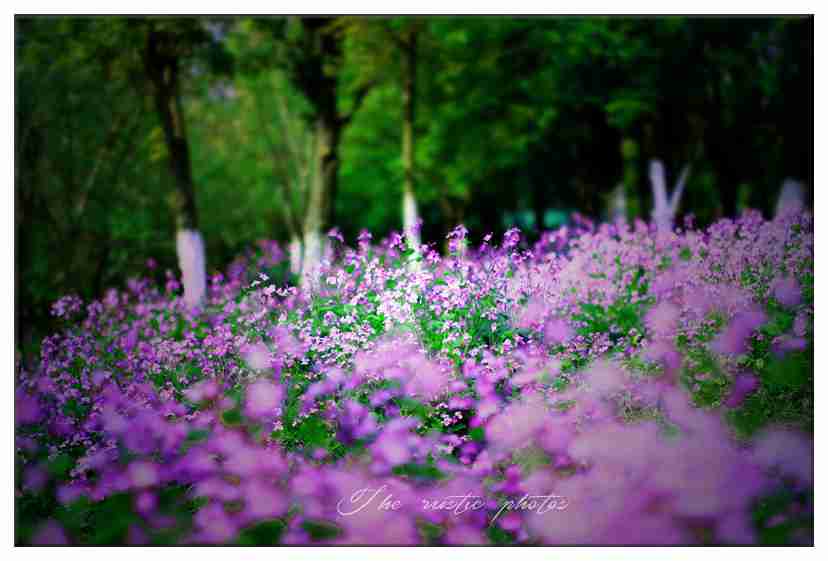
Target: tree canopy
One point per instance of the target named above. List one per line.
(518, 122)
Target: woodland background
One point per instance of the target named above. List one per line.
(127, 129)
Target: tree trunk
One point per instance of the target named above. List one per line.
(618, 205)
(295, 252)
(312, 76)
(162, 65)
(322, 190)
(791, 198)
(191, 261)
(630, 158)
(665, 204)
(410, 215)
(163, 70)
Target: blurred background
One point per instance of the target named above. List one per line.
(128, 129)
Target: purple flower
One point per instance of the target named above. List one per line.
(786, 343)
(262, 398)
(556, 332)
(26, 409)
(201, 391)
(50, 533)
(457, 239)
(663, 319)
(335, 234)
(390, 366)
(256, 356)
(742, 386)
(394, 445)
(214, 525)
(142, 474)
(733, 340)
(511, 239)
(789, 452)
(786, 290)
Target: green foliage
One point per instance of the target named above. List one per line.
(263, 533)
(518, 119)
(419, 472)
(783, 516)
(621, 319)
(321, 530)
(499, 536)
(785, 395)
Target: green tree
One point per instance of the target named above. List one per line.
(310, 51)
(82, 145)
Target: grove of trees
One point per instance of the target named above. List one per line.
(153, 137)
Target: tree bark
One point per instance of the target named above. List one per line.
(163, 68)
(630, 162)
(410, 214)
(322, 190)
(295, 253)
(665, 205)
(311, 72)
(162, 64)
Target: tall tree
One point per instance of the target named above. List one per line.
(167, 42)
(408, 46)
(310, 50)
(163, 51)
(387, 50)
(81, 224)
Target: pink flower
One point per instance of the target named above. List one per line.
(262, 399)
(393, 446)
(516, 426)
(201, 391)
(262, 501)
(605, 378)
(557, 331)
(142, 474)
(663, 319)
(426, 378)
(257, 356)
(532, 315)
(214, 525)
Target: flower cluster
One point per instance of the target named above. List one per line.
(658, 384)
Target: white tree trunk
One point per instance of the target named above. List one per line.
(295, 252)
(192, 262)
(318, 203)
(411, 227)
(791, 198)
(411, 219)
(312, 245)
(618, 204)
(665, 206)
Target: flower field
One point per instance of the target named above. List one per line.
(608, 384)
